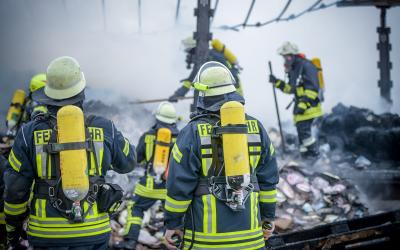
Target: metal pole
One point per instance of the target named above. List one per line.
(178, 4)
(384, 64)
(277, 111)
(202, 36)
(140, 14)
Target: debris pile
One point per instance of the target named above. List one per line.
(151, 234)
(362, 132)
(309, 198)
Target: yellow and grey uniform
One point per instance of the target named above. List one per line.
(147, 190)
(214, 224)
(31, 165)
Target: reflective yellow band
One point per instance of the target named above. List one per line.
(69, 232)
(209, 214)
(240, 246)
(302, 105)
(14, 162)
(310, 113)
(2, 219)
(158, 194)
(64, 223)
(187, 84)
(176, 153)
(126, 147)
(287, 88)
(268, 196)
(311, 94)
(228, 236)
(278, 83)
(249, 239)
(15, 209)
(135, 220)
(271, 149)
(299, 91)
(149, 141)
(176, 206)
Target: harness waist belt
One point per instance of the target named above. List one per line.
(204, 183)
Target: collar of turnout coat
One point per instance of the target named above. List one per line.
(214, 103)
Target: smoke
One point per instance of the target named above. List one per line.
(120, 58)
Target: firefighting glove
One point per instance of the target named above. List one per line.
(273, 79)
(300, 108)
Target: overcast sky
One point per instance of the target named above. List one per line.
(119, 58)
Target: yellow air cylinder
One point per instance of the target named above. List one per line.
(73, 163)
(317, 63)
(236, 156)
(220, 47)
(161, 152)
(15, 111)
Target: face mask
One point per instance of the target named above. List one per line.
(289, 59)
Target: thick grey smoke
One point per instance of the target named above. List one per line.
(144, 63)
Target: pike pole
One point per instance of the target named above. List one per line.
(277, 111)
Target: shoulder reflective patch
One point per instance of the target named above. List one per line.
(252, 127)
(176, 153)
(14, 162)
(204, 129)
(42, 137)
(271, 149)
(97, 134)
(126, 147)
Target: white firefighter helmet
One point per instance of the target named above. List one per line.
(214, 78)
(288, 48)
(166, 112)
(64, 78)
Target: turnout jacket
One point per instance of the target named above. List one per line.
(215, 225)
(213, 55)
(304, 84)
(145, 152)
(30, 164)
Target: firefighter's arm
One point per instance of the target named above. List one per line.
(182, 179)
(18, 178)
(123, 154)
(141, 150)
(280, 84)
(267, 176)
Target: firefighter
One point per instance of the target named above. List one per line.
(4, 150)
(304, 84)
(218, 52)
(215, 207)
(32, 107)
(65, 156)
(23, 107)
(151, 186)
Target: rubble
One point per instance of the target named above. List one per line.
(362, 132)
(308, 198)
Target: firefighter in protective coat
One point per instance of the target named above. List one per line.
(217, 52)
(215, 208)
(151, 186)
(304, 84)
(70, 203)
